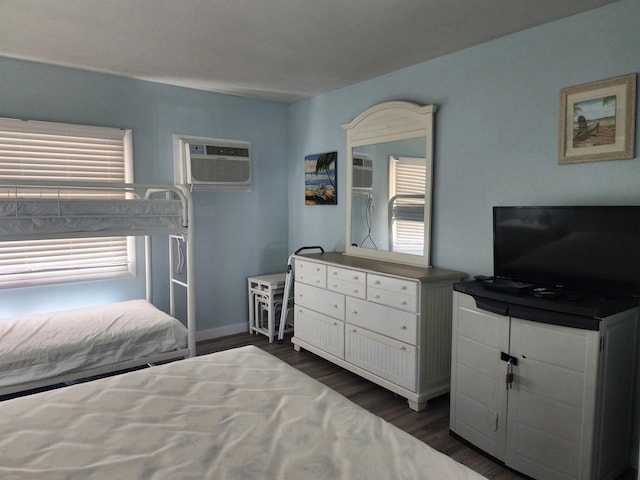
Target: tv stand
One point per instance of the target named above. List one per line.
(507, 285)
(573, 375)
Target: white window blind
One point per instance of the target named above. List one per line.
(407, 182)
(57, 152)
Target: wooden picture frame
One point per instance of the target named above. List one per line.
(597, 121)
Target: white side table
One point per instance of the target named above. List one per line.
(265, 303)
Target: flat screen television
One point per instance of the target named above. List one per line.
(593, 249)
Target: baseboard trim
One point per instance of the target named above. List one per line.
(223, 331)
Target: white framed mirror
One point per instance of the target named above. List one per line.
(389, 180)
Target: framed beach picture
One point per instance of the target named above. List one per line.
(597, 121)
(320, 185)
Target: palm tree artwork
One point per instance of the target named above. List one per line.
(320, 179)
(594, 122)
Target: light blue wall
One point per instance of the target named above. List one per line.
(238, 234)
(496, 132)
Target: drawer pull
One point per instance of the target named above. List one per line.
(377, 282)
(403, 327)
(335, 324)
(403, 348)
(355, 290)
(335, 306)
(335, 285)
(355, 312)
(404, 302)
(404, 287)
(376, 296)
(356, 277)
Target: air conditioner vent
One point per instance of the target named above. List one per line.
(362, 171)
(214, 164)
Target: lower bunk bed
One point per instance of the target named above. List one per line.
(51, 348)
(239, 413)
(47, 349)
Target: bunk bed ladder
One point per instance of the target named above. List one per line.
(174, 281)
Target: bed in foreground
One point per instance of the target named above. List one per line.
(239, 413)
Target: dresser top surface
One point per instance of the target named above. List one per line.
(390, 268)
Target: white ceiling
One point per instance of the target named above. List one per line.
(282, 50)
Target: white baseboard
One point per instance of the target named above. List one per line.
(218, 332)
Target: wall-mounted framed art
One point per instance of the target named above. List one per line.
(320, 179)
(597, 121)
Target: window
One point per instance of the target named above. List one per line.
(57, 152)
(407, 183)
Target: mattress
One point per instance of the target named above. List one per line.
(236, 414)
(41, 346)
(28, 217)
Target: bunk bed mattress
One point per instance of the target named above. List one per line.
(239, 413)
(41, 346)
(41, 217)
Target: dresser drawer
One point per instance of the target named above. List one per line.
(311, 273)
(319, 300)
(349, 282)
(390, 359)
(387, 321)
(393, 285)
(324, 332)
(395, 300)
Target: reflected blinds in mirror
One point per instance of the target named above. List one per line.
(407, 183)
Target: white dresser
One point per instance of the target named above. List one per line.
(387, 322)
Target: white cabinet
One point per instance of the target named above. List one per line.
(387, 322)
(567, 413)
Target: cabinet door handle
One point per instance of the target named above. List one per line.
(403, 348)
(403, 327)
(355, 312)
(404, 302)
(355, 290)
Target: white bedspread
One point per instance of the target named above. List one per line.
(237, 414)
(41, 346)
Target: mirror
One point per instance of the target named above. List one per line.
(390, 155)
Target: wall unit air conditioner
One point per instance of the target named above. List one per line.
(362, 171)
(214, 164)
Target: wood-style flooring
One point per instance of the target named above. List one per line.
(430, 425)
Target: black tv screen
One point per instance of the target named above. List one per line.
(583, 248)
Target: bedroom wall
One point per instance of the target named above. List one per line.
(238, 234)
(496, 134)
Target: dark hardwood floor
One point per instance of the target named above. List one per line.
(430, 425)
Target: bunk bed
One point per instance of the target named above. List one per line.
(239, 413)
(51, 348)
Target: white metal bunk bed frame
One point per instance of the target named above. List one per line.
(183, 232)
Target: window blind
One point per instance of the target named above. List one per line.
(408, 177)
(57, 152)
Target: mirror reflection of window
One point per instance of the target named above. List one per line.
(407, 184)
